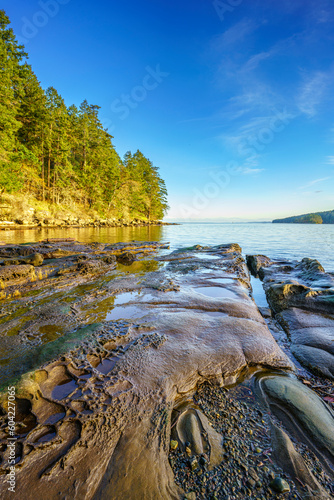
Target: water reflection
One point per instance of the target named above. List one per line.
(85, 235)
(278, 241)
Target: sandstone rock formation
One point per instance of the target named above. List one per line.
(301, 295)
(103, 353)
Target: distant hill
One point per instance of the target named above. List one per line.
(315, 218)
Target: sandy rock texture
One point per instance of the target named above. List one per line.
(113, 347)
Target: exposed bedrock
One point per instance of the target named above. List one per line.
(312, 337)
(293, 464)
(36, 259)
(303, 413)
(16, 271)
(301, 295)
(96, 422)
(196, 437)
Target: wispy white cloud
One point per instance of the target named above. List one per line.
(323, 15)
(330, 160)
(311, 93)
(252, 93)
(316, 181)
(251, 171)
(255, 60)
(234, 35)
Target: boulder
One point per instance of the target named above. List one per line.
(126, 258)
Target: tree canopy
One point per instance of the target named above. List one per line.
(63, 154)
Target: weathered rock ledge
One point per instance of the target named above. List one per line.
(105, 342)
(301, 296)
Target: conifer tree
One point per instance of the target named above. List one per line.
(11, 55)
(64, 155)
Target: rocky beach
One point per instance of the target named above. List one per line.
(145, 373)
(166, 250)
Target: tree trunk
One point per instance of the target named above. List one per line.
(42, 161)
(49, 165)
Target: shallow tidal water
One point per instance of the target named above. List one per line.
(277, 241)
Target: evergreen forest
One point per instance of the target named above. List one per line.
(61, 154)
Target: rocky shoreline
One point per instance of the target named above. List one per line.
(72, 222)
(145, 374)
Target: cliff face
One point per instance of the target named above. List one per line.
(313, 218)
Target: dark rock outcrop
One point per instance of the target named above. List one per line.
(126, 258)
(301, 295)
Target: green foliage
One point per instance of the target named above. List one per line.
(315, 218)
(63, 154)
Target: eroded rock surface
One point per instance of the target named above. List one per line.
(293, 463)
(303, 411)
(127, 344)
(301, 296)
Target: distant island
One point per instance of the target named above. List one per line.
(315, 218)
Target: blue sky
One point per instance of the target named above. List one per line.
(232, 99)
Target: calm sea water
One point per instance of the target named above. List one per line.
(291, 241)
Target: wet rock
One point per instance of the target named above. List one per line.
(282, 296)
(302, 411)
(16, 251)
(310, 269)
(109, 259)
(301, 296)
(173, 444)
(41, 434)
(280, 485)
(190, 496)
(297, 284)
(46, 411)
(293, 464)
(194, 432)
(17, 271)
(193, 464)
(36, 259)
(317, 360)
(40, 376)
(57, 376)
(126, 258)
(91, 266)
(256, 263)
(110, 346)
(312, 337)
(175, 342)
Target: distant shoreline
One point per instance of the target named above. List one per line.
(56, 224)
